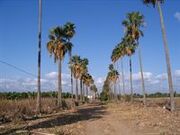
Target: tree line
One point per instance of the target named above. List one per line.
(32, 95)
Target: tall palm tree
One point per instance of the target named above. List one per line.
(129, 46)
(88, 81)
(83, 79)
(70, 31)
(38, 105)
(84, 70)
(76, 71)
(118, 53)
(133, 22)
(58, 46)
(112, 77)
(93, 88)
(166, 49)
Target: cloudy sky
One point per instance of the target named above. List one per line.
(98, 30)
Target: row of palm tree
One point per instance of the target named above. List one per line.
(58, 46)
(130, 42)
(79, 69)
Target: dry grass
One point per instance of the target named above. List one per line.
(160, 101)
(11, 110)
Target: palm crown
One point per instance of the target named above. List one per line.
(58, 45)
(153, 2)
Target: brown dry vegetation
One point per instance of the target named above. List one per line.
(11, 110)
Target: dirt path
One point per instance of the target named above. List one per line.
(97, 119)
(109, 124)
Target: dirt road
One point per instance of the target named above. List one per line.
(98, 119)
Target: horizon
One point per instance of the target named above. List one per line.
(98, 31)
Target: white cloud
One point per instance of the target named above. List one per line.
(49, 82)
(162, 76)
(99, 80)
(51, 75)
(54, 75)
(146, 75)
(30, 84)
(177, 73)
(177, 16)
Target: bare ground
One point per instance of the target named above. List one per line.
(98, 119)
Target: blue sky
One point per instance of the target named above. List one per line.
(98, 30)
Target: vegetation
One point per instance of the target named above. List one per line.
(78, 67)
(25, 95)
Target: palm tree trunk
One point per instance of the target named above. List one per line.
(166, 49)
(131, 85)
(119, 81)
(77, 90)
(115, 93)
(87, 92)
(38, 105)
(59, 85)
(72, 94)
(111, 92)
(81, 92)
(142, 76)
(123, 82)
(71, 76)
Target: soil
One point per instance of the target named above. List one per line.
(100, 119)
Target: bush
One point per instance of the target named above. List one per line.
(104, 96)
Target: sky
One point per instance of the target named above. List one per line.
(98, 30)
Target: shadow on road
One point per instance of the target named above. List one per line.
(83, 114)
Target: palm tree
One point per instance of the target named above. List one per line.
(133, 22)
(70, 31)
(76, 71)
(58, 46)
(84, 70)
(38, 105)
(166, 49)
(112, 77)
(129, 46)
(118, 53)
(88, 80)
(83, 77)
(94, 89)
